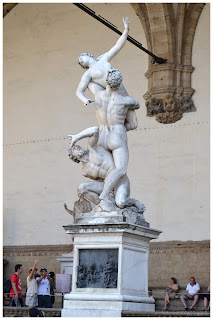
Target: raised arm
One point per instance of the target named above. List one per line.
(85, 80)
(33, 269)
(120, 43)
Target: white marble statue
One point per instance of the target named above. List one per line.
(97, 164)
(111, 109)
(107, 157)
(97, 70)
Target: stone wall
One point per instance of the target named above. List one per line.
(26, 255)
(23, 312)
(181, 260)
(167, 259)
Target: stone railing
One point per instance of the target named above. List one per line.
(23, 312)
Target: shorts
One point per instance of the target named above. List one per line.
(207, 296)
(187, 298)
(32, 300)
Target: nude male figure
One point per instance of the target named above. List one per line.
(97, 163)
(111, 109)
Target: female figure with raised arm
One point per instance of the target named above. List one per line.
(97, 70)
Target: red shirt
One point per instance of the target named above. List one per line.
(17, 280)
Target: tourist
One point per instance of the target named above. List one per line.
(32, 287)
(192, 291)
(15, 292)
(52, 287)
(207, 300)
(44, 289)
(150, 294)
(170, 292)
(34, 312)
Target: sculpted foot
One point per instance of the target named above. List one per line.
(104, 197)
(140, 205)
(107, 205)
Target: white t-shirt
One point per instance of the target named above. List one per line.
(44, 287)
(192, 289)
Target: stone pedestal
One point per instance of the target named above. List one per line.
(110, 264)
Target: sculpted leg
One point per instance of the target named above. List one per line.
(91, 191)
(122, 192)
(121, 157)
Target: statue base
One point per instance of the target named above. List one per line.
(110, 264)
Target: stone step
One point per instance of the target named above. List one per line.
(175, 304)
(167, 314)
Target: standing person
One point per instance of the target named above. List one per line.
(44, 289)
(15, 292)
(192, 291)
(52, 287)
(32, 287)
(170, 292)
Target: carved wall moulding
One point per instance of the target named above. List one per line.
(170, 36)
(50, 250)
(182, 246)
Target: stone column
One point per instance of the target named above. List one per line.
(170, 36)
(110, 265)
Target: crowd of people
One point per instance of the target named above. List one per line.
(40, 288)
(192, 293)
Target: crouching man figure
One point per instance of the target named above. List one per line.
(97, 163)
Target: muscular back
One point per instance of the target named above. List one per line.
(117, 106)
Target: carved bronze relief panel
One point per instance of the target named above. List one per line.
(98, 268)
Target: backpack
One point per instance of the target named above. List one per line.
(7, 286)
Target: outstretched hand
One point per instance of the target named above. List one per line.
(126, 23)
(88, 102)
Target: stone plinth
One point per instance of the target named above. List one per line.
(110, 265)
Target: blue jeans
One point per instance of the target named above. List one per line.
(44, 301)
(12, 302)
